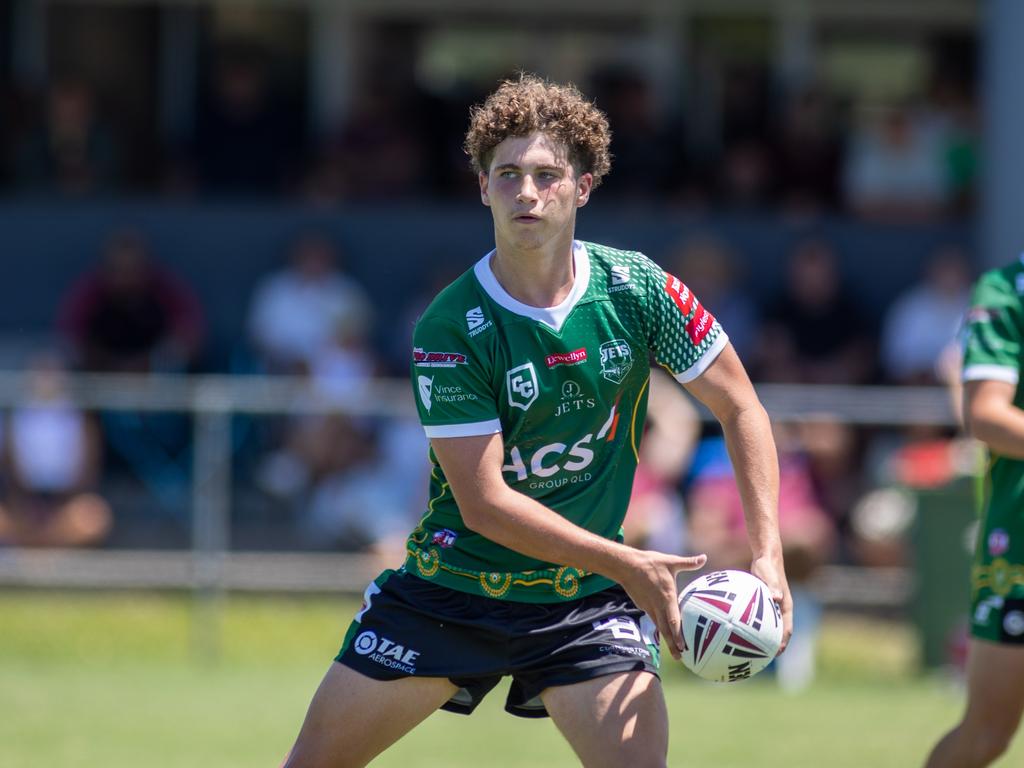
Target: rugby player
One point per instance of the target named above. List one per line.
(530, 373)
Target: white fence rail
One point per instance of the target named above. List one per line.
(211, 565)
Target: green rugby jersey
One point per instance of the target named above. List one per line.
(566, 387)
(993, 345)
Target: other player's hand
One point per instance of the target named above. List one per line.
(771, 571)
(650, 580)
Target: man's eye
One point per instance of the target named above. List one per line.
(508, 174)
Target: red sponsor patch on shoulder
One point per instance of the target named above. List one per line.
(680, 293)
(699, 325)
(575, 357)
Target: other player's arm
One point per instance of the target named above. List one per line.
(991, 416)
(490, 507)
(726, 390)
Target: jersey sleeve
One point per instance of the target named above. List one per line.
(452, 389)
(682, 334)
(993, 331)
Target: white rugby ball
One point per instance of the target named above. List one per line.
(732, 628)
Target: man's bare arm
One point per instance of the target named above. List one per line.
(726, 390)
(991, 416)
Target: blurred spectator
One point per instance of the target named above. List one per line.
(131, 315)
(717, 527)
(711, 270)
(51, 467)
(375, 155)
(923, 321)
(656, 518)
(895, 169)
(647, 150)
(746, 176)
(247, 140)
(73, 153)
(808, 152)
(814, 332)
(297, 311)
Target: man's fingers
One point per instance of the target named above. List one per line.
(692, 563)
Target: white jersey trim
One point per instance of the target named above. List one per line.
(705, 360)
(554, 317)
(991, 372)
(463, 430)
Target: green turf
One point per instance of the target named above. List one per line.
(115, 681)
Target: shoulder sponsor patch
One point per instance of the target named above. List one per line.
(680, 294)
(438, 359)
(699, 325)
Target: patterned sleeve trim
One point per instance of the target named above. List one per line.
(706, 359)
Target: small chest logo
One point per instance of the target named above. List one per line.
(425, 386)
(475, 318)
(616, 360)
(521, 383)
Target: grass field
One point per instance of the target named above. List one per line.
(99, 680)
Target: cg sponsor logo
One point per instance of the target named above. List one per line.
(521, 383)
(616, 360)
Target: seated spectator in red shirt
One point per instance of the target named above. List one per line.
(131, 315)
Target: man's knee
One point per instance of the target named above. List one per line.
(988, 741)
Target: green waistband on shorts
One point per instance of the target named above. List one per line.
(549, 585)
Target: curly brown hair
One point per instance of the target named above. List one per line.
(528, 104)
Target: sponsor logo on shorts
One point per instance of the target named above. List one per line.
(386, 652)
(445, 538)
(998, 542)
(437, 359)
(1013, 623)
(575, 357)
(521, 383)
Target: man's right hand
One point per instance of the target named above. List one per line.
(649, 578)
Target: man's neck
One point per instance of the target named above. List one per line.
(537, 278)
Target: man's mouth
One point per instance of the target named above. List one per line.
(526, 218)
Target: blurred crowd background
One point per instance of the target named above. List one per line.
(263, 188)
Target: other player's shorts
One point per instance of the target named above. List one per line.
(411, 627)
(997, 581)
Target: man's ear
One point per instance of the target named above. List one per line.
(482, 178)
(584, 184)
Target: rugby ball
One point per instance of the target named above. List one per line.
(732, 628)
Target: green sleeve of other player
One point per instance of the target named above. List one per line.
(993, 330)
(453, 391)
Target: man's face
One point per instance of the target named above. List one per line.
(533, 191)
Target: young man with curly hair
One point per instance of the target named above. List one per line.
(530, 374)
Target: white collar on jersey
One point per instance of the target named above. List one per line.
(553, 317)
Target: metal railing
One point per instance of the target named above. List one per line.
(211, 566)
